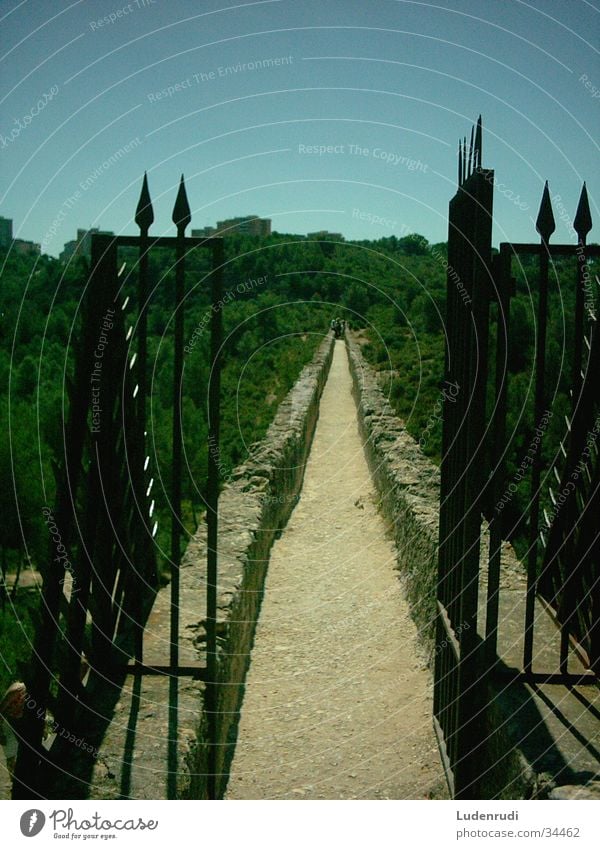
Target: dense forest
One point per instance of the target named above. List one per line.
(283, 292)
(280, 293)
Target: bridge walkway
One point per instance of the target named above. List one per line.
(338, 699)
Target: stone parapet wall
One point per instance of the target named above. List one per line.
(409, 489)
(527, 754)
(135, 758)
(253, 508)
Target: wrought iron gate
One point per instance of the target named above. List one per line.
(563, 560)
(103, 517)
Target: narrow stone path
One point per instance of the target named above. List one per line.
(338, 701)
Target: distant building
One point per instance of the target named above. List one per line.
(325, 234)
(5, 232)
(249, 225)
(82, 245)
(20, 246)
(203, 233)
(28, 248)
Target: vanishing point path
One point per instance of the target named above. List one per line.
(338, 699)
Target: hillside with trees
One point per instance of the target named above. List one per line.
(283, 292)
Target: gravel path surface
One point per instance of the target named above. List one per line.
(338, 701)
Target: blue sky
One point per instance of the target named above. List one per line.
(321, 114)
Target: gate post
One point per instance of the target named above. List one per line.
(459, 681)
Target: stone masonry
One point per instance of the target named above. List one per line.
(253, 508)
(539, 740)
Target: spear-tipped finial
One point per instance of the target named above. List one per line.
(460, 165)
(582, 223)
(545, 224)
(181, 211)
(478, 134)
(144, 214)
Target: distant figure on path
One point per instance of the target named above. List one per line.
(338, 326)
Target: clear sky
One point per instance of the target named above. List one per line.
(320, 114)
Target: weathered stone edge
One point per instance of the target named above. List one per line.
(253, 508)
(408, 485)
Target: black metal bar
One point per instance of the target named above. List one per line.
(450, 634)
(535, 248)
(170, 242)
(181, 219)
(28, 782)
(447, 659)
(458, 685)
(190, 670)
(471, 469)
(105, 432)
(594, 633)
(212, 505)
(584, 679)
(144, 217)
(579, 529)
(503, 282)
(569, 576)
(453, 488)
(461, 262)
(445, 664)
(559, 573)
(84, 566)
(478, 144)
(444, 753)
(471, 675)
(471, 151)
(448, 433)
(107, 511)
(70, 678)
(582, 224)
(545, 226)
